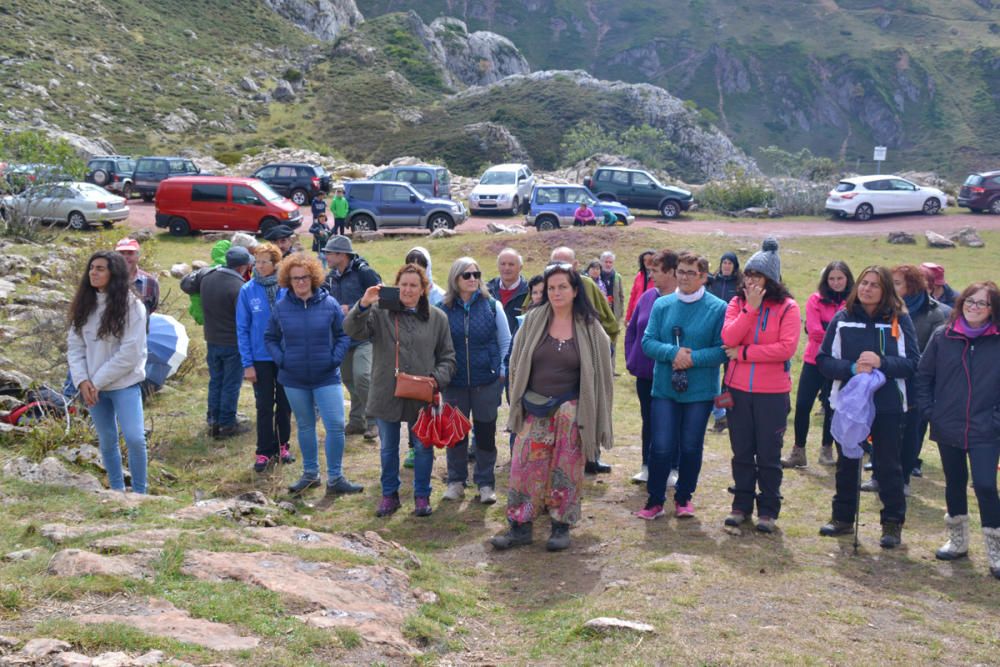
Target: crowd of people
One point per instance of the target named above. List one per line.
(893, 348)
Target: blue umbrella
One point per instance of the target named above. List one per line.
(166, 347)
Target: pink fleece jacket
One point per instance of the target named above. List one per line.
(767, 339)
(819, 313)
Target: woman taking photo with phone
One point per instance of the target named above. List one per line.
(106, 349)
(410, 337)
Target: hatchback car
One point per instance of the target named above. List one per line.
(427, 179)
(150, 171)
(376, 204)
(77, 204)
(865, 196)
(298, 181)
(981, 192)
(553, 206)
(505, 187)
(113, 172)
(230, 203)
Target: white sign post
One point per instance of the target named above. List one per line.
(879, 158)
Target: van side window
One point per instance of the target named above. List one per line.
(207, 192)
(286, 172)
(395, 193)
(547, 196)
(422, 177)
(179, 167)
(361, 192)
(244, 195)
(603, 175)
(384, 175)
(620, 177)
(641, 179)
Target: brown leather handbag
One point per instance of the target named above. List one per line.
(416, 387)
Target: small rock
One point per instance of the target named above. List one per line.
(147, 659)
(13, 381)
(198, 264)
(8, 642)
(254, 497)
(180, 270)
(365, 237)
(50, 471)
(191, 34)
(968, 237)
(283, 92)
(76, 562)
(288, 507)
(442, 233)
(902, 238)
(425, 597)
(608, 624)
(71, 659)
(43, 646)
(935, 240)
(23, 554)
(113, 659)
(248, 84)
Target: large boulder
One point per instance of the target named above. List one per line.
(50, 471)
(474, 59)
(324, 19)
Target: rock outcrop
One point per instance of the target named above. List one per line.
(478, 58)
(324, 19)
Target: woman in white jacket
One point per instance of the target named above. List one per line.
(107, 360)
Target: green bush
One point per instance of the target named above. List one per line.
(229, 158)
(648, 145)
(803, 164)
(292, 75)
(737, 191)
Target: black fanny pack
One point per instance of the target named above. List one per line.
(544, 406)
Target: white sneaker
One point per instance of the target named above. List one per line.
(642, 476)
(672, 478)
(455, 491)
(487, 496)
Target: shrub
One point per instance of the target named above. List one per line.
(229, 158)
(292, 75)
(798, 165)
(797, 197)
(644, 143)
(735, 192)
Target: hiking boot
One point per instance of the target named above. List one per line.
(796, 458)
(826, 457)
(487, 496)
(672, 478)
(720, 425)
(992, 537)
(230, 430)
(892, 535)
(422, 506)
(408, 462)
(455, 491)
(305, 482)
(285, 454)
(957, 545)
(596, 467)
(917, 472)
(834, 527)
(371, 433)
(766, 524)
(559, 539)
(649, 512)
(685, 511)
(341, 486)
(388, 505)
(642, 476)
(735, 519)
(353, 429)
(519, 534)
(871, 486)
(260, 465)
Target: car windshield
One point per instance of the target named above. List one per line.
(84, 188)
(319, 171)
(125, 166)
(843, 186)
(497, 178)
(973, 179)
(265, 191)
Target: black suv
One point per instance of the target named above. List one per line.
(149, 171)
(638, 189)
(298, 181)
(112, 172)
(981, 192)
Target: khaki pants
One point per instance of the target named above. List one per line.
(356, 371)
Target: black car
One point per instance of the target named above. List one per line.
(981, 192)
(149, 171)
(112, 172)
(298, 181)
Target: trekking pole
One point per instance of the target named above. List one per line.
(857, 504)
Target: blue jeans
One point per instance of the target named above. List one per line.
(423, 461)
(121, 407)
(676, 426)
(225, 377)
(330, 401)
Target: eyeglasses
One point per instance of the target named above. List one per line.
(469, 275)
(561, 266)
(687, 274)
(978, 305)
(299, 279)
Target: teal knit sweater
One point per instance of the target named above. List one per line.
(701, 326)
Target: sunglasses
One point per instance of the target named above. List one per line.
(561, 266)
(469, 275)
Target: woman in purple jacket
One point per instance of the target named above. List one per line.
(663, 272)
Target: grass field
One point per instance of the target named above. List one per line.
(714, 598)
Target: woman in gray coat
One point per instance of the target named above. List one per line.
(425, 348)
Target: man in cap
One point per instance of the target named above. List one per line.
(146, 284)
(936, 285)
(219, 291)
(283, 237)
(349, 277)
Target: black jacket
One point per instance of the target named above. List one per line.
(958, 388)
(724, 287)
(851, 333)
(219, 291)
(348, 287)
(516, 303)
(928, 319)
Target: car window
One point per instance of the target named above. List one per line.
(60, 192)
(547, 196)
(396, 193)
(995, 180)
(877, 185)
(577, 195)
(317, 170)
(152, 166)
(443, 176)
(265, 191)
(619, 177)
(603, 175)
(208, 192)
(361, 191)
(286, 172)
(497, 178)
(266, 172)
(179, 167)
(642, 180)
(384, 175)
(527, 170)
(90, 187)
(244, 195)
(843, 186)
(100, 164)
(901, 185)
(125, 166)
(973, 179)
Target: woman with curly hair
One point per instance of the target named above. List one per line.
(107, 361)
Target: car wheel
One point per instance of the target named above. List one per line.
(267, 224)
(127, 191)
(546, 223)
(932, 206)
(179, 227)
(100, 177)
(440, 221)
(515, 206)
(147, 198)
(299, 197)
(670, 209)
(995, 206)
(76, 220)
(864, 212)
(362, 223)
(108, 224)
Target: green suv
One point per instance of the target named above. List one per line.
(638, 189)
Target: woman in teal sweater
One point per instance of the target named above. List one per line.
(684, 338)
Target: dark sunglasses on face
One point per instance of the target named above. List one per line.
(468, 275)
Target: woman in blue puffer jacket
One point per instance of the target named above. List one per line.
(307, 343)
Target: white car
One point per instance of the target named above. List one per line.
(865, 196)
(505, 187)
(77, 204)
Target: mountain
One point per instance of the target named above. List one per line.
(836, 76)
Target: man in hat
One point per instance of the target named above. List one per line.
(936, 285)
(283, 237)
(146, 284)
(349, 277)
(219, 291)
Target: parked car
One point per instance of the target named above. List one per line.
(375, 204)
(981, 192)
(227, 203)
(503, 187)
(77, 204)
(865, 196)
(553, 206)
(638, 189)
(427, 179)
(18, 177)
(298, 181)
(150, 171)
(113, 172)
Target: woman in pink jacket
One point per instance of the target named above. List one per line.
(760, 336)
(835, 284)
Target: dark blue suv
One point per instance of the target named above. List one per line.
(376, 204)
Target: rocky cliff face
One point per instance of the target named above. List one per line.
(325, 19)
(478, 58)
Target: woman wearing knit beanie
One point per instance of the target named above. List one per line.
(760, 335)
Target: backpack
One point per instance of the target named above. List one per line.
(191, 283)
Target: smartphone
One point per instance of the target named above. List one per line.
(388, 299)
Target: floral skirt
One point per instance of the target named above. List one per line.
(546, 470)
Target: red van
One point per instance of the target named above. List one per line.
(222, 203)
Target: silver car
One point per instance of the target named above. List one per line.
(505, 187)
(77, 204)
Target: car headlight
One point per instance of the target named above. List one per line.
(504, 197)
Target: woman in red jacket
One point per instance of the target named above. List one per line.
(642, 282)
(760, 335)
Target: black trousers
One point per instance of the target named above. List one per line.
(983, 461)
(274, 416)
(887, 443)
(644, 389)
(812, 382)
(757, 424)
(340, 226)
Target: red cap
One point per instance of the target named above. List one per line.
(933, 272)
(127, 244)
